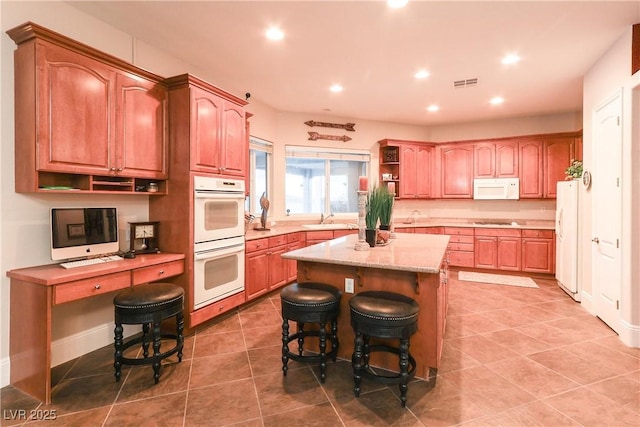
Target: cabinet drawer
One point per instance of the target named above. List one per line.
(428, 230)
(468, 247)
(157, 272)
(461, 259)
(341, 233)
(460, 239)
(295, 237)
(542, 234)
(320, 235)
(256, 245)
(500, 232)
(277, 240)
(89, 287)
(468, 231)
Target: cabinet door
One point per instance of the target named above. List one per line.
(558, 153)
(457, 171)
(235, 148)
(278, 272)
(408, 172)
(75, 104)
(292, 264)
(140, 128)
(256, 274)
(509, 253)
(530, 156)
(538, 255)
(486, 252)
(424, 170)
(484, 160)
(206, 131)
(506, 159)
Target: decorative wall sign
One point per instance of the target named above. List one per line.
(346, 126)
(314, 136)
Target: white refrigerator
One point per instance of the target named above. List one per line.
(568, 193)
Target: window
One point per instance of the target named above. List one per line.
(260, 171)
(323, 180)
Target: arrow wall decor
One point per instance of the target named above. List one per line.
(346, 126)
(314, 136)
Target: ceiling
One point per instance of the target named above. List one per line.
(374, 52)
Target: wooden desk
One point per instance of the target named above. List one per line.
(35, 290)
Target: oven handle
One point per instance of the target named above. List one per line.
(207, 194)
(213, 253)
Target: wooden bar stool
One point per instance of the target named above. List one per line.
(148, 305)
(387, 315)
(310, 303)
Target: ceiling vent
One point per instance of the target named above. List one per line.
(465, 83)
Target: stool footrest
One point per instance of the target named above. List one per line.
(149, 359)
(387, 379)
(312, 359)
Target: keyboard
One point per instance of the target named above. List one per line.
(90, 261)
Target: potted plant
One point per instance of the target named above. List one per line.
(386, 207)
(574, 171)
(372, 215)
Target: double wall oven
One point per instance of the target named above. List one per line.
(218, 229)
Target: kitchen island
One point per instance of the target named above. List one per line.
(411, 264)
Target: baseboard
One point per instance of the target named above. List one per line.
(587, 302)
(629, 334)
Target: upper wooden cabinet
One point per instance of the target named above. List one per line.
(495, 159)
(558, 154)
(84, 120)
(207, 127)
(531, 169)
(411, 165)
(456, 171)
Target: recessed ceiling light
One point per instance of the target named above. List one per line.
(422, 74)
(510, 59)
(274, 33)
(496, 100)
(433, 108)
(336, 88)
(397, 4)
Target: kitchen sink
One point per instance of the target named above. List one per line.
(330, 226)
(495, 223)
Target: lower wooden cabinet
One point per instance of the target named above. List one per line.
(265, 269)
(461, 246)
(538, 251)
(497, 248)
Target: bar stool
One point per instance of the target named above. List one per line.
(385, 315)
(310, 302)
(148, 305)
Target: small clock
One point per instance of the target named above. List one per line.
(586, 179)
(144, 237)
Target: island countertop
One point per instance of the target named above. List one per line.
(421, 253)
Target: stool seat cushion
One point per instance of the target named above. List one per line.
(149, 297)
(384, 308)
(311, 296)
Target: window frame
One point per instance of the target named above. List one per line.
(264, 146)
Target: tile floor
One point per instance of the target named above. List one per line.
(512, 357)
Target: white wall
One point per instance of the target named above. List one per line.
(609, 75)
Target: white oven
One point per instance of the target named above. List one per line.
(218, 269)
(218, 208)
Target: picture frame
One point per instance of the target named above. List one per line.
(75, 230)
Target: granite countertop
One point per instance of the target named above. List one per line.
(422, 253)
(283, 228)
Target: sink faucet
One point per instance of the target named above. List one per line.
(323, 219)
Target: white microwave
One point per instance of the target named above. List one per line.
(496, 189)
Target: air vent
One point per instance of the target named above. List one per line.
(465, 83)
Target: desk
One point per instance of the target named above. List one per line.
(412, 264)
(35, 290)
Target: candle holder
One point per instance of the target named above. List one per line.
(361, 244)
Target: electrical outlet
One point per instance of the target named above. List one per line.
(348, 285)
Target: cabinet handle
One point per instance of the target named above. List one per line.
(97, 286)
(221, 308)
(120, 169)
(161, 272)
(112, 169)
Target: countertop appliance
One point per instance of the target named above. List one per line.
(568, 194)
(496, 188)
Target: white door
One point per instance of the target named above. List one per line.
(607, 211)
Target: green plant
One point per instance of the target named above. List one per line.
(373, 208)
(574, 170)
(386, 205)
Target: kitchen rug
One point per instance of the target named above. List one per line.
(497, 279)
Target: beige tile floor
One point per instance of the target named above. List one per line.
(512, 357)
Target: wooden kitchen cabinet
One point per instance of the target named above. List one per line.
(495, 159)
(538, 251)
(207, 127)
(558, 153)
(456, 171)
(530, 153)
(294, 241)
(461, 246)
(413, 163)
(497, 248)
(85, 120)
(265, 269)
